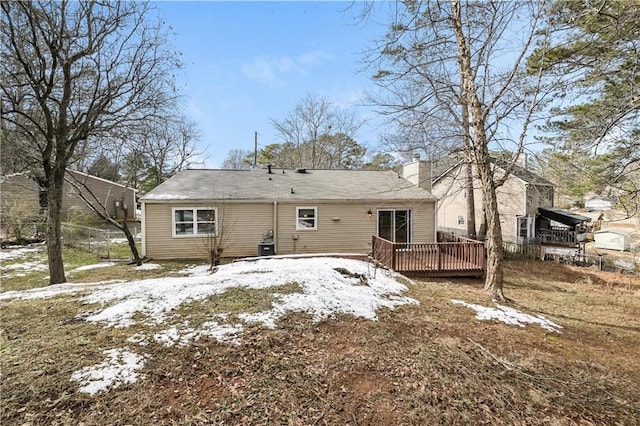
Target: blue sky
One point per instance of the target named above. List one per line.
(246, 63)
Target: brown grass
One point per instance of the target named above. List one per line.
(432, 363)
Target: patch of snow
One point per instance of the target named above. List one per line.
(148, 266)
(118, 240)
(325, 292)
(94, 266)
(20, 269)
(509, 316)
(139, 339)
(183, 334)
(196, 271)
(16, 253)
(121, 367)
(30, 266)
(54, 290)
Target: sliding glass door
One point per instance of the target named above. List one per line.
(395, 225)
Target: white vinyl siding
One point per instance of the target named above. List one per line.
(342, 228)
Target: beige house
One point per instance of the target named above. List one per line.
(518, 200)
(276, 211)
(24, 191)
(119, 200)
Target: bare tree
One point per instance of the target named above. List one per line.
(466, 62)
(219, 224)
(72, 71)
(237, 159)
(317, 134)
(169, 146)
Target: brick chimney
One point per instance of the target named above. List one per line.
(417, 172)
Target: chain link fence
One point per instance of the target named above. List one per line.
(572, 256)
(100, 241)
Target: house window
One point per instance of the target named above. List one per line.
(546, 196)
(525, 227)
(395, 225)
(306, 218)
(460, 220)
(193, 222)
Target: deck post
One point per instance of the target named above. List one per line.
(373, 246)
(393, 256)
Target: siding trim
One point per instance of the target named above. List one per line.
(143, 225)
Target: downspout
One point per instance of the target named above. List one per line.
(435, 221)
(275, 227)
(526, 198)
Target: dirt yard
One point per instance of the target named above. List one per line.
(427, 363)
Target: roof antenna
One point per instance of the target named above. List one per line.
(255, 150)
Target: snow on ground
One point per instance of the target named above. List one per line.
(20, 269)
(120, 368)
(118, 240)
(183, 334)
(324, 292)
(509, 316)
(148, 266)
(93, 266)
(14, 253)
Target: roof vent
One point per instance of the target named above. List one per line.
(269, 167)
(301, 170)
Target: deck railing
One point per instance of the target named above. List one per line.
(556, 236)
(454, 256)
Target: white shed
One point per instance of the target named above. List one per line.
(612, 239)
(598, 204)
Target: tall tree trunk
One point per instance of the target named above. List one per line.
(471, 199)
(493, 242)
(480, 145)
(54, 227)
(482, 230)
(132, 243)
(468, 157)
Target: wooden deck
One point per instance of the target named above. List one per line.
(450, 256)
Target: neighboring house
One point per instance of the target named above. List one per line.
(25, 191)
(518, 199)
(297, 211)
(118, 199)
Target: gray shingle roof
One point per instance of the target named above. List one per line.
(196, 185)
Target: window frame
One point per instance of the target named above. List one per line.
(194, 222)
(315, 218)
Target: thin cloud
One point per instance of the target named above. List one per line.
(272, 69)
